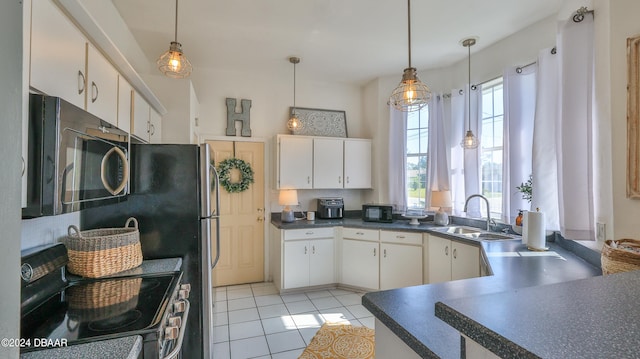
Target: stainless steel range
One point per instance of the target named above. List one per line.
(154, 306)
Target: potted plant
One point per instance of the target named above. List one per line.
(526, 189)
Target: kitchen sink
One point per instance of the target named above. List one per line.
(488, 236)
(463, 230)
(474, 233)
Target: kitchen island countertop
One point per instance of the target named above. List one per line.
(120, 348)
(410, 312)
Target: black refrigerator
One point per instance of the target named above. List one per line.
(175, 198)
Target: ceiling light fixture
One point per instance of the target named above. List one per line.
(469, 141)
(411, 94)
(173, 63)
(294, 123)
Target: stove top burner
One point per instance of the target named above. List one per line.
(105, 308)
(117, 322)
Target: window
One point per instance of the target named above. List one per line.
(417, 137)
(491, 145)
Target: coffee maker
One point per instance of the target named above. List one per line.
(330, 208)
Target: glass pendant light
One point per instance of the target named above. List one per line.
(469, 141)
(173, 63)
(294, 123)
(411, 94)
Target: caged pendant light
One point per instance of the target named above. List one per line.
(469, 141)
(294, 123)
(173, 63)
(411, 94)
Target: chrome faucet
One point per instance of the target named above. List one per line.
(488, 210)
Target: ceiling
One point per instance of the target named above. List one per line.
(347, 41)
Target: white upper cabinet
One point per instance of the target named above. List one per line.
(327, 163)
(155, 126)
(140, 119)
(295, 162)
(323, 162)
(357, 163)
(102, 87)
(58, 54)
(125, 99)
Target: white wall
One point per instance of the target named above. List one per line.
(623, 23)
(271, 95)
(10, 149)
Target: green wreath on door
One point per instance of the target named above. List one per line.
(246, 175)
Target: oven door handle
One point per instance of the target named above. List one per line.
(185, 315)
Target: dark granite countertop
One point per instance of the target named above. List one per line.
(120, 348)
(410, 312)
(590, 318)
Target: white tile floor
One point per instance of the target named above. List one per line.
(253, 321)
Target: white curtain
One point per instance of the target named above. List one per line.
(544, 163)
(563, 179)
(575, 129)
(438, 148)
(397, 164)
(456, 133)
(519, 97)
(465, 164)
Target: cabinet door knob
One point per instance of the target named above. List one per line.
(347, 179)
(339, 179)
(455, 255)
(374, 252)
(385, 253)
(308, 179)
(305, 249)
(446, 250)
(313, 249)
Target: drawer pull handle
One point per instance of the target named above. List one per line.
(309, 233)
(400, 237)
(360, 233)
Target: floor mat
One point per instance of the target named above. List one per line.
(341, 341)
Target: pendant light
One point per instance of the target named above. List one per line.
(294, 123)
(469, 141)
(411, 94)
(173, 63)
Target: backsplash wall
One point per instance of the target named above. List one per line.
(47, 230)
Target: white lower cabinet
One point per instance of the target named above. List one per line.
(451, 260)
(360, 264)
(400, 259)
(400, 266)
(308, 258)
(360, 258)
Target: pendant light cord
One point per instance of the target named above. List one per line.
(409, 28)
(469, 84)
(294, 87)
(176, 29)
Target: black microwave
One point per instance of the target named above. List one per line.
(75, 159)
(377, 213)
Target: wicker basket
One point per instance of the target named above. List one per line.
(622, 255)
(103, 299)
(100, 252)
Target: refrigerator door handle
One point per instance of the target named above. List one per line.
(215, 214)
